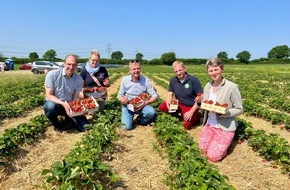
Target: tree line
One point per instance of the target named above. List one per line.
(279, 54)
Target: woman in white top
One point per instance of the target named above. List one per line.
(219, 129)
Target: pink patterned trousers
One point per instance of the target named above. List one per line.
(215, 142)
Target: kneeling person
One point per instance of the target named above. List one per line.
(63, 85)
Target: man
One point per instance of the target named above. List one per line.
(132, 86)
(185, 88)
(61, 86)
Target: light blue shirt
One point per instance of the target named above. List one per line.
(131, 89)
(63, 86)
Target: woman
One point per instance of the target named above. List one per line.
(219, 129)
(95, 75)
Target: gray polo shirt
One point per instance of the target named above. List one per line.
(63, 86)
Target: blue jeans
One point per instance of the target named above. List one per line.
(52, 110)
(145, 114)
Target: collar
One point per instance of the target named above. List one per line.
(65, 75)
(132, 78)
(222, 83)
(185, 79)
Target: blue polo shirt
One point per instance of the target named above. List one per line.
(63, 86)
(185, 92)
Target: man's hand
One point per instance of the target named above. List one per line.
(142, 105)
(124, 100)
(198, 98)
(67, 108)
(187, 116)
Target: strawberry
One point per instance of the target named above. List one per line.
(224, 105)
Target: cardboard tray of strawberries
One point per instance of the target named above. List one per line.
(96, 92)
(173, 106)
(83, 106)
(137, 101)
(214, 106)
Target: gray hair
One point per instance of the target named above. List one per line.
(216, 62)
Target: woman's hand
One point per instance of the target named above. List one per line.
(106, 82)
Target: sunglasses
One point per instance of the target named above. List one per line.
(134, 61)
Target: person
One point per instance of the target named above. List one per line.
(132, 86)
(2, 67)
(95, 75)
(185, 88)
(219, 129)
(61, 86)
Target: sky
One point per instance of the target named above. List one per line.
(189, 28)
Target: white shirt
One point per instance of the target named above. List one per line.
(212, 120)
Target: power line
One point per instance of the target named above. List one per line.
(109, 48)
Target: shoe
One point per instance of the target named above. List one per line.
(138, 121)
(58, 129)
(81, 129)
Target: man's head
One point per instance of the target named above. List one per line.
(135, 69)
(70, 64)
(179, 69)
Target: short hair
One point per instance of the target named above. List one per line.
(177, 63)
(133, 62)
(216, 62)
(95, 52)
(75, 56)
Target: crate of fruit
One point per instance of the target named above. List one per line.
(214, 106)
(137, 101)
(83, 106)
(173, 106)
(96, 92)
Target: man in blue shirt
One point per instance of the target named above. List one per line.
(61, 86)
(185, 88)
(132, 86)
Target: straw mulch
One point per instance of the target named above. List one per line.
(136, 162)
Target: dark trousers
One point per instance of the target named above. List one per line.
(52, 110)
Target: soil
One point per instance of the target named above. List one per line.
(137, 163)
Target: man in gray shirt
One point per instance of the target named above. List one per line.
(61, 86)
(132, 86)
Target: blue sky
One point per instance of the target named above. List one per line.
(190, 28)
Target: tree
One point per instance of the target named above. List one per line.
(168, 58)
(222, 55)
(118, 55)
(279, 52)
(244, 57)
(49, 55)
(139, 56)
(33, 55)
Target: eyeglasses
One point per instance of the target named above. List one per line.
(134, 61)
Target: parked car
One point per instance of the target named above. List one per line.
(26, 66)
(80, 67)
(43, 66)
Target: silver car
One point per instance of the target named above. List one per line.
(43, 66)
